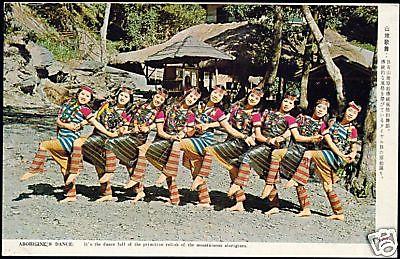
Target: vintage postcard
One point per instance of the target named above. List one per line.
(200, 129)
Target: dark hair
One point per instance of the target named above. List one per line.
(114, 99)
(341, 116)
(194, 88)
(90, 104)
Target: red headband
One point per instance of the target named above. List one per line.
(355, 106)
(324, 102)
(87, 88)
(258, 91)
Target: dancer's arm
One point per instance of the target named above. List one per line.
(102, 129)
(163, 134)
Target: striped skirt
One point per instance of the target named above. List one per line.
(259, 158)
(93, 150)
(203, 141)
(158, 153)
(291, 160)
(126, 147)
(334, 161)
(229, 152)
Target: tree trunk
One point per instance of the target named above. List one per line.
(103, 35)
(332, 69)
(307, 64)
(272, 67)
(364, 184)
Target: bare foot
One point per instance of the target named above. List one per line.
(105, 198)
(140, 196)
(199, 180)
(130, 184)
(105, 178)
(71, 178)
(237, 207)
(336, 217)
(291, 183)
(267, 190)
(304, 213)
(234, 188)
(161, 180)
(26, 176)
(68, 199)
(204, 205)
(272, 211)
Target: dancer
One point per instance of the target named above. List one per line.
(270, 133)
(70, 121)
(131, 148)
(286, 160)
(178, 123)
(209, 115)
(244, 116)
(113, 116)
(341, 149)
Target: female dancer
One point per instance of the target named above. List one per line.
(286, 160)
(269, 131)
(129, 147)
(209, 115)
(341, 139)
(113, 116)
(71, 117)
(179, 122)
(243, 118)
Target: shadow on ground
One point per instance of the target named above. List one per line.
(219, 199)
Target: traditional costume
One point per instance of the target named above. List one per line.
(60, 148)
(228, 152)
(327, 162)
(93, 149)
(194, 147)
(161, 152)
(126, 148)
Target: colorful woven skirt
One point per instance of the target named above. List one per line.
(259, 158)
(229, 152)
(158, 153)
(126, 147)
(291, 160)
(93, 150)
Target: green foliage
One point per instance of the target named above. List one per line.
(367, 46)
(61, 50)
(143, 25)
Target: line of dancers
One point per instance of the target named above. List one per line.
(270, 142)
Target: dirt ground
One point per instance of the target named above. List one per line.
(31, 210)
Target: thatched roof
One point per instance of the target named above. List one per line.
(188, 50)
(202, 32)
(250, 44)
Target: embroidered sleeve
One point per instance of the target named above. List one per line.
(160, 117)
(256, 119)
(87, 112)
(219, 115)
(190, 119)
(291, 122)
(126, 117)
(354, 133)
(323, 127)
